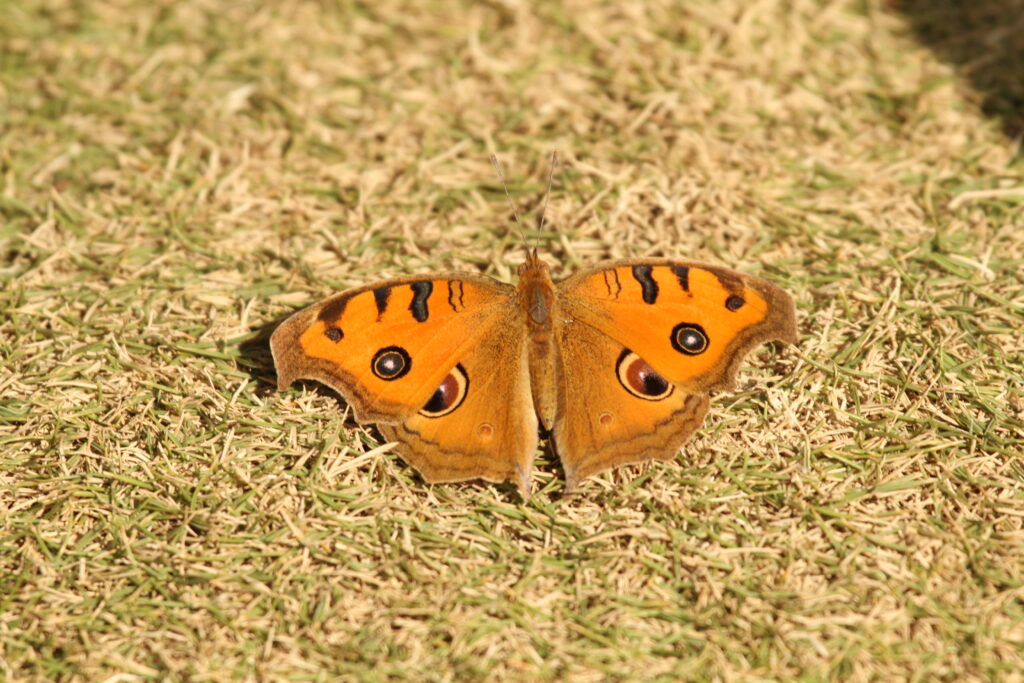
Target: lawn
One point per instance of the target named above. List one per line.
(177, 177)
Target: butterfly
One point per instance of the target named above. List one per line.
(616, 362)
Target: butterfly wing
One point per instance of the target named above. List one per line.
(417, 356)
(642, 343)
(606, 417)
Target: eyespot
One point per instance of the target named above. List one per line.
(689, 338)
(391, 362)
(640, 379)
(334, 333)
(734, 303)
(449, 395)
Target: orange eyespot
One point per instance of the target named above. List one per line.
(449, 395)
(689, 338)
(640, 379)
(391, 362)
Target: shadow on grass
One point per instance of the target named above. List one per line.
(984, 40)
(257, 360)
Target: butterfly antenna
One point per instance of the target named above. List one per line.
(547, 195)
(515, 216)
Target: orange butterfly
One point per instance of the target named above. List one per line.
(616, 361)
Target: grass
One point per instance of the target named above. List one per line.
(176, 177)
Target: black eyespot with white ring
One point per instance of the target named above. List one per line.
(390, 363)
(640, 379)
(689, 338)
(449, 395)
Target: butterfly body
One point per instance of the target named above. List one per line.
(616, 361)
(538, 298)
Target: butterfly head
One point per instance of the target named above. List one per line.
(533, 270)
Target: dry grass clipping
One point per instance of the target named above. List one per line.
(175, 176)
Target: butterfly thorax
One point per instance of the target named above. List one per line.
(536, 292)
(537, 298)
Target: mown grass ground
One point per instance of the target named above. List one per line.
(176, 176)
